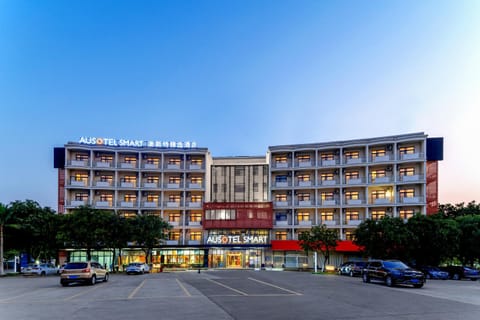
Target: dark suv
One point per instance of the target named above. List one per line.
(461, 272)
(392, 272)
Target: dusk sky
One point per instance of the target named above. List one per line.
(236, 77)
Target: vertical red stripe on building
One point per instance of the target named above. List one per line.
(432, 187)
(61, 190)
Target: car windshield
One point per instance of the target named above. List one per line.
(76, 265)
(134, 264)
(395, 265)
(360, 264)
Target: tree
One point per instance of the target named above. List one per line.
(319, 239)
(119, 233)
(386, 238)
(453, 211)
(5, 216)
(86, 228)
(433, 239)
(149, 231)
(469, 239)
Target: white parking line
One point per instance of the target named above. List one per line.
(230, 288)
(183, 288)
(134, 292)
(80, 294)
(274, 286)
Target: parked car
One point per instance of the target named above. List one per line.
(137, 267)
(392, 272)
(88, 272)
(351, 268)
(434, 272)
(461, 272)
(40, 269)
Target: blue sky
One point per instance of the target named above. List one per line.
(236, 77)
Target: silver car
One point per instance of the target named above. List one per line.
(40, 269)
(137, 267)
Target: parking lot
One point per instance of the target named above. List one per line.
(238, 294)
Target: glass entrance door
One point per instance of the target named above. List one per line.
(234, 260)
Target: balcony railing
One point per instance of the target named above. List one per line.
(104, 164)
(303, 164)
(77, 203)
(282, 184)
(304, 223)
(150, 184)
(282, 223)
(280, 165)
(353, 222)
(196, 204)
(411, 178)
(127, 165)
(194, 223)
(131, 184)
(304, 183)
(173, 185)
(150, 204)
(411, 156)
(152, 166)
(104, 204)
(78, 183)
(79, 163)
(104, 184)
(410, 200)
(172, 204)
(328, 163)
(282, 203)
(127, 204)
(381, 200)
(195, 166)
(195, 185)
(304, 203)
(384, 158)
(377, 180)
(354, 202)
(330, 222)
(330, 202)
(353, 160)
(328, 182)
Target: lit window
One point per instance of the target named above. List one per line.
(303, 177)
(152, 179)
(379, 194)
(174, 217)
(130, 160)
(327, 156)
(378, 173)
(281, 235)
(80, 177)
(174, 235)
(196, 236)
(197, 161)
(196, 198)
(352, 175)
(327, 176)
(130, 197)
(406, 213)
(106, 197)
(303, 196)
(131, 179)
(174, 161)
(104, 178)
(377, 214)
(407, 193)
(352, 215)
(349, 235)
(303, 158)
(327, 196)
(281, 159)
(154, 161)
(406, 150)
(352, 154)
(106, 158)
(409, 171)
(174, 198)
(197, 180)
(174, 180)
(280, 197)
(303, 216)
(327, 216)
(81, 157)
(81, 196)
(195, 217)
(378, 153)
(152, 197)
(352, 195)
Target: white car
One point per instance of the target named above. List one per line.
(40, 269)
(137, 267)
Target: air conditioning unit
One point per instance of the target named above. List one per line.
(389, 168)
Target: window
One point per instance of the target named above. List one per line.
(327, 196)
(280, 235)
(174, 217)
(352, 215)
(327, 156)
(255, 171)
(106, 158)
(378, 173)
(349, 235)
(255, 187)
(220, 214)
(327, 216)
(174, 180)
(303, 177)
(105, 178)
(131, 179)
(130, 159)
(196, 235)
(407, 171)
(80, 177)
(303, 216)
(327, 176)
(197, 180)
(81, 196)
(81, 157)
(174, 235)
(352, 175)
(154, 161)
(377, 214)
(303, 196)
(282, 178)
(378, 153)
(281, 159)
(280, 197)
(152, 197)
(152, 179)
(239, 188)
(197, 161)
(406, 213)
(196, 198)
(281, 217)
(239, 171)
(130, 198)
(352, 155)
(352, 195)
(174, 161)
(379, 194)
(407, 193)
(303, 158)
(174, 198)
(195, 217)
(106, 197)
(406, 150)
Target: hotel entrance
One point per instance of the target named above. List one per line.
(234, 259)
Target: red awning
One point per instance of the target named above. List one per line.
(293, 245)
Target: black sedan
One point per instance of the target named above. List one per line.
(392, 272)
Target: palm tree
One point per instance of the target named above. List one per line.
(5, 215)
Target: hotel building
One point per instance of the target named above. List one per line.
(247, 212)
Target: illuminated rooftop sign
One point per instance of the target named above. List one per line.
(112, 142)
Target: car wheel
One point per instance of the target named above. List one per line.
(105, 279)
(43, 274)
(93, 280)
(366, 278)
(351, 274)
(428, 276)
(418, 285)
(473, 279)
(64, 284)
(456, 276)
(389, 281)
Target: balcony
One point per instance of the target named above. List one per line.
(304, 223)
(382, 201)
(304, 203)
(282, 203)
(128, 184)
(378, 180)
(194, 242)
(354, 202)
(195, 167)
(304, 164)
(128, 165)
(151, 166)
(328, 163)
(79, 183)
(304, 183)
(353, 222)
(329, 222)
(410, 156)
(150, 204)
(173, 166)
(196, 204)
(103, 184)
(127, 204)
(174, 185)
(411, 200)
(103, 164)
(281, 223)
(411, 178)
(279, 165)
(171, 242)
(385, 158)
(328, 182)
(329, 202)
(195, 185)
(77, 203)
(150, 185)
(194, 223)
(103, 204)
(354, 160)
(354, 181)
(282, 184)
(79, 163)
(172, 204)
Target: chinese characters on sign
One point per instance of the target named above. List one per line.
(111, 142)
